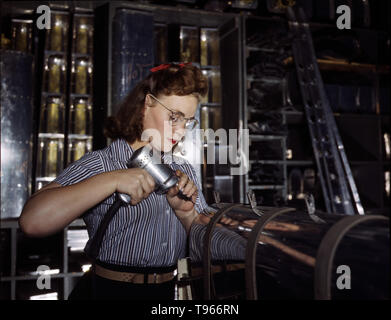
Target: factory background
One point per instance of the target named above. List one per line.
(59, 84)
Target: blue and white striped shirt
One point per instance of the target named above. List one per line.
(145, 235)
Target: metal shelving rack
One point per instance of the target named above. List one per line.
(65, 131)
(237, 105)
(377, 122)
(281, 162)
(282, 188)
(55, 108)
(13, 277)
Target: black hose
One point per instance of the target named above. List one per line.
(98, 237)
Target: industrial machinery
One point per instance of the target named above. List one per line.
(283, 252)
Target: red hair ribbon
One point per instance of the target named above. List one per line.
(167, 65)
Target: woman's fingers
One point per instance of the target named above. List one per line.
(137, 195)
(186, 186)
(150, 181)
(146, 184)
(183, 180)
(173, 191)
(189, 188)
(138, 183)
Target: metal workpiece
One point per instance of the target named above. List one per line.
(290, 253)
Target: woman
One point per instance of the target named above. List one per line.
(144, 241)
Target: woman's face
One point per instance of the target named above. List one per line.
(157, 119)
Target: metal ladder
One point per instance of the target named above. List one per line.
(334, 172)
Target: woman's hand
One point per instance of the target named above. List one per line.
(184, 208)
(136, 182)
(187, 188)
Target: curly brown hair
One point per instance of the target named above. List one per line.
(176, 79)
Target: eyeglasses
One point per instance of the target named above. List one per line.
(177, 118)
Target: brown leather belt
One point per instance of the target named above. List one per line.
(138, 278)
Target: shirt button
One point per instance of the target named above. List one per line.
(164, 244)
(167, 211)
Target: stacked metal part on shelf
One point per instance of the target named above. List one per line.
(66, 99)
(50, 155)
(80, 115)
(267, 48)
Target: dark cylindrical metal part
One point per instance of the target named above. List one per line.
(297, 256)
(334, 241)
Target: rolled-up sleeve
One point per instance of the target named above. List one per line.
(87, 166)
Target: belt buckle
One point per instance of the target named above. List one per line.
(154, 278)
